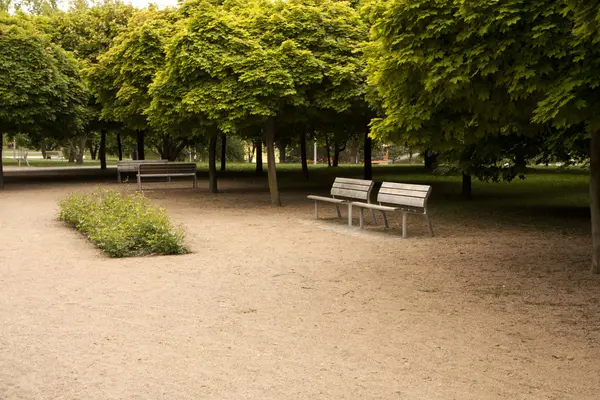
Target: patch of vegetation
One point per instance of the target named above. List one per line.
(122, 225)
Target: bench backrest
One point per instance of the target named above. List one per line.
(132, 165)
(171, 168)
(358, 189)
(404, 194)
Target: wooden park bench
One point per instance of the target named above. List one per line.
(54, 154)
(132, 166)
(156, 170)
(399, 197)
(22, 156)
(344, 191)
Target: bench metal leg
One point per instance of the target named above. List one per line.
(118, 177)
(338, 211)
(373, 216)
(361, 218)
(195, 182)
(429, 224)
(139, 182)
(385, 220)
(316, 209)
(404, 233)
(349, 214)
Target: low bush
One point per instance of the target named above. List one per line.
(122, 225)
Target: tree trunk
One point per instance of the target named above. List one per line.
(595, 199)
(466, 186)
(328, 151)
(430, 160)
(72, 151)
(212, 164)
(93, 150)
(336, 154)
(1, 169)
(140, 145)
(303, 154)
(259, 160)
(81, 150)
(43, 148)
(223, 152)
(102, 149)
(275, 200)
(119, 147)
(282, 146)
(368, 165)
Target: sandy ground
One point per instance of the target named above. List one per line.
(273, 304)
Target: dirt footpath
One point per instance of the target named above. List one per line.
(272, 304)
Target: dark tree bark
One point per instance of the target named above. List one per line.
(72, 152)
(303, 154)
(595, 199)
(430, 160)
(102, 149)
(119, 147)
(272, 170)
(212, 164)
(259, 160)
(223, 152)
(327, 148)
(282, 145)
(140, 145)
(336, 153)
(466, 186)
(93, 148)
(43, 148)
(1, 168)
(368, 173)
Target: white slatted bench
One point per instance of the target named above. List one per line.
(22, 156)
(400, 197)
(132, 166)
(166, 171)
(344, 191)
(53, 153)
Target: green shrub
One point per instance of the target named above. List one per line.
(122, 225)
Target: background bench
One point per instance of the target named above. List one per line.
(22, 156)
(56, 154)
(166, 170)
(132, 166)
(400, 197)
(344, 191)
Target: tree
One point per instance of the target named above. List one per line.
(471, 69)
(41, 84)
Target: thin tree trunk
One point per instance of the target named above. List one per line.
(303, 154)
(93, 150)
(282, 146)
(259, 160)
(140, 145)
(466, 186)
(102, 149)
(430, 160)
(1, 168)
(212, 164)
(328, 151)
(223, 152)
(119, 147)
(275, 200)
(368, 174)
(336, 154)
(72, 151)
(43, 148)
(595, 199)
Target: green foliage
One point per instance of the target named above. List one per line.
(121, 225)
(41, 83)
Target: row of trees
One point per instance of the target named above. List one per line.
(267, 71)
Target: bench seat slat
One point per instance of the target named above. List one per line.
(405, 186)
(354, 194)
(353, 181)
(402, 192)
(402, 200)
